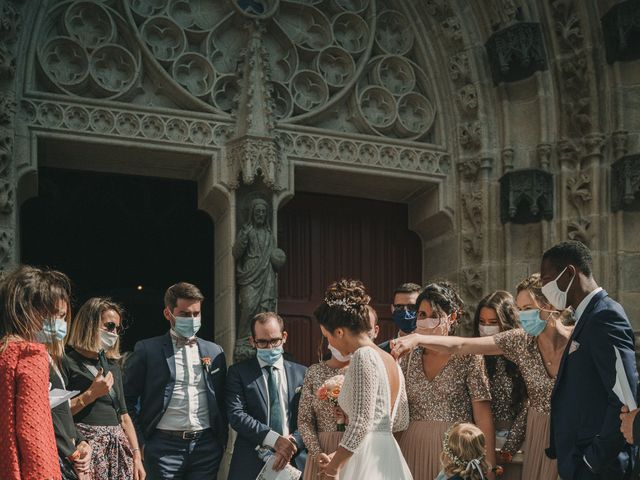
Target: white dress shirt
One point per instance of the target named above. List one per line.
(188, 408)
(281, 380)
(583, 304)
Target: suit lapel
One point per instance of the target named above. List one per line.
(257, 377)
(582, 321)
(291, 387)
(169, 355)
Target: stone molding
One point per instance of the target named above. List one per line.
(625, 184)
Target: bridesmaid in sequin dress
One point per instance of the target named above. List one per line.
(495, 313)
(442, 389)
(537, 356)
(316, 418)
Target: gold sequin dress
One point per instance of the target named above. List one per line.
(316, 421)
(435, 405)
(522, 349)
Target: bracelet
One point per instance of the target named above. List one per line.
(137, 449)
(81, 401)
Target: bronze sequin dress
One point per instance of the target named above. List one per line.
(522, 349)
(316, 421)
(435, 405)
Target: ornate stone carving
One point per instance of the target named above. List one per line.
(469, 169)
(526, 196)
(6, 149)
(6, 248)
(516, 52)
(7, 62)
(507, 159)
(470, 135)
(472, 281)
(459, 69)
(472, 209)
(573, 67)
(468, 98)
(621, 30)
(252, 158)
(505, 12)
(257, 261)
(7, 108)
(593, 144)
(6, 197)
(625, 183)
(452, 28)
(9, 22)
(620, 140)
(544, 155)
(579, 193)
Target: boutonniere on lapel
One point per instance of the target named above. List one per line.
(206, 363)
(574, 346)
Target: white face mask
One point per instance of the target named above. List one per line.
(107, 339)
(338, 356)
(557, 297)
(488, 330)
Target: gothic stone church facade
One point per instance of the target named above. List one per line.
(504, 126)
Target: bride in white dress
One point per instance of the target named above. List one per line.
(373, 395)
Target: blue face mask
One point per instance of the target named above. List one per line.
(531, 322)
(55, 329)
(405, 320)
(269, 355)
(187, 327)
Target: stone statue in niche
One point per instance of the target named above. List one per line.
(257, 261)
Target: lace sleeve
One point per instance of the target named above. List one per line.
(307, 425)
(358, 397)
(401, 420)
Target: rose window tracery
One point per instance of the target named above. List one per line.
(347, 65)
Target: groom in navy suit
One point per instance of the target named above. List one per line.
(174, 389)
(585, 422)
(262, 402)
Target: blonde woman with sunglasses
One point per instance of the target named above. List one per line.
(100, 411)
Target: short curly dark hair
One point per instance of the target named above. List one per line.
(570, 252)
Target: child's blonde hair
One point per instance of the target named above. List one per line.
(463, 452)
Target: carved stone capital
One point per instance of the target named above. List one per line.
(593, 144)
(620, 140)
(567, 153)
(544, 155)
(253, 157)
(621, 28)
(526, 196)
(507, 159)
(625, 183)
(516, 52)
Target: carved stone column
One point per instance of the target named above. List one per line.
(9, 27)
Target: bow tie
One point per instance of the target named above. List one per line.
(181, 341)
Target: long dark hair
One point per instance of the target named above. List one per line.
(507, 313)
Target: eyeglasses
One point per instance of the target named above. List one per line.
(112, 326)
(273, 343)
(409, 307)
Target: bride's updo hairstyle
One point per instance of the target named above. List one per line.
(345, 306)
(444, 300)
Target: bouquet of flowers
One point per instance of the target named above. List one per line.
(330, 391)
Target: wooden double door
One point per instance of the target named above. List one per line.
(329, 237)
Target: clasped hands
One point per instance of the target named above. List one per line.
(326, 470)
(285, 448)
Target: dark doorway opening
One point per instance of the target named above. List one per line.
(126, 237)
(328, 237)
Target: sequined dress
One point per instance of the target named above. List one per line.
(436, 404)
(522, 349)
(507, 417)
(316, 421)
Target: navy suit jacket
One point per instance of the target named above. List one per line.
(149, 378)
(247, 409)
(585, 413)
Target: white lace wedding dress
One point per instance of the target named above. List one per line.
(366, 399)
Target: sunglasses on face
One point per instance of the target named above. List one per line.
(112, 327)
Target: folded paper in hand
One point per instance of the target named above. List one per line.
(268, 473)
(58, 396)
(622, 389)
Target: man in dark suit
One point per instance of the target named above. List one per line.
(403, 311)
(585, 423)
(262, 402)
(174, 389)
